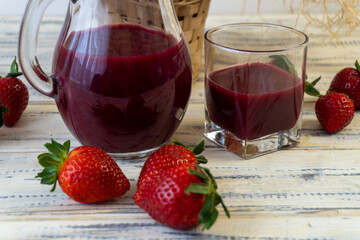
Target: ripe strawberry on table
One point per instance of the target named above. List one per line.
(334, 111)
(182, 197)
(348, 81)
(86, 174)
(14, 95)
(168, 156)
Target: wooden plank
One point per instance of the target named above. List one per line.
(240, 227)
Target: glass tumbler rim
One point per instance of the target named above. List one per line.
(209, 32)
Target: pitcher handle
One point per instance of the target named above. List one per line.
(28, 39)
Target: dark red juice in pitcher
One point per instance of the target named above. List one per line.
(123, 88)
(254, 100)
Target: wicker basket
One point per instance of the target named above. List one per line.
(192, 15)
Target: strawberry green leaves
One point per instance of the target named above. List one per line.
(208, 213)
(310, 88)
(283, 62)
(52, 162)
(49, 176)
(195, 150)
(3, 111)
(357, 65)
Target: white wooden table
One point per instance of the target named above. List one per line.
(311, 191)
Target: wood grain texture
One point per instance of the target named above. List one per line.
(311, 191)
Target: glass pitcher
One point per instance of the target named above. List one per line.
(121, 71)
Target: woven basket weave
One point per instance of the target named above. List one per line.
(192, 15)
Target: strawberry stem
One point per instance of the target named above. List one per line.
(195, 150)
(357, 65)
(52, 162)
(14, 70)
(3, 111)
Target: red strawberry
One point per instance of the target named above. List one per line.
(14, 95)
(168, 156)
(86, 174)
(182, 197)
(348, 81)
(334, 111)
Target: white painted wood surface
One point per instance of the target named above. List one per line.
(311, 191)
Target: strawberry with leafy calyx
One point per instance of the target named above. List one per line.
(333, 110)
(86, 174)
(182, 197)
(170, 155)
(13, 95)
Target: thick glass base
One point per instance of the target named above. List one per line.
(248, 149)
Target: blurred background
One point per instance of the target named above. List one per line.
(58, 7)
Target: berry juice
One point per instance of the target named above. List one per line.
(254, 100)
(122, 88)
